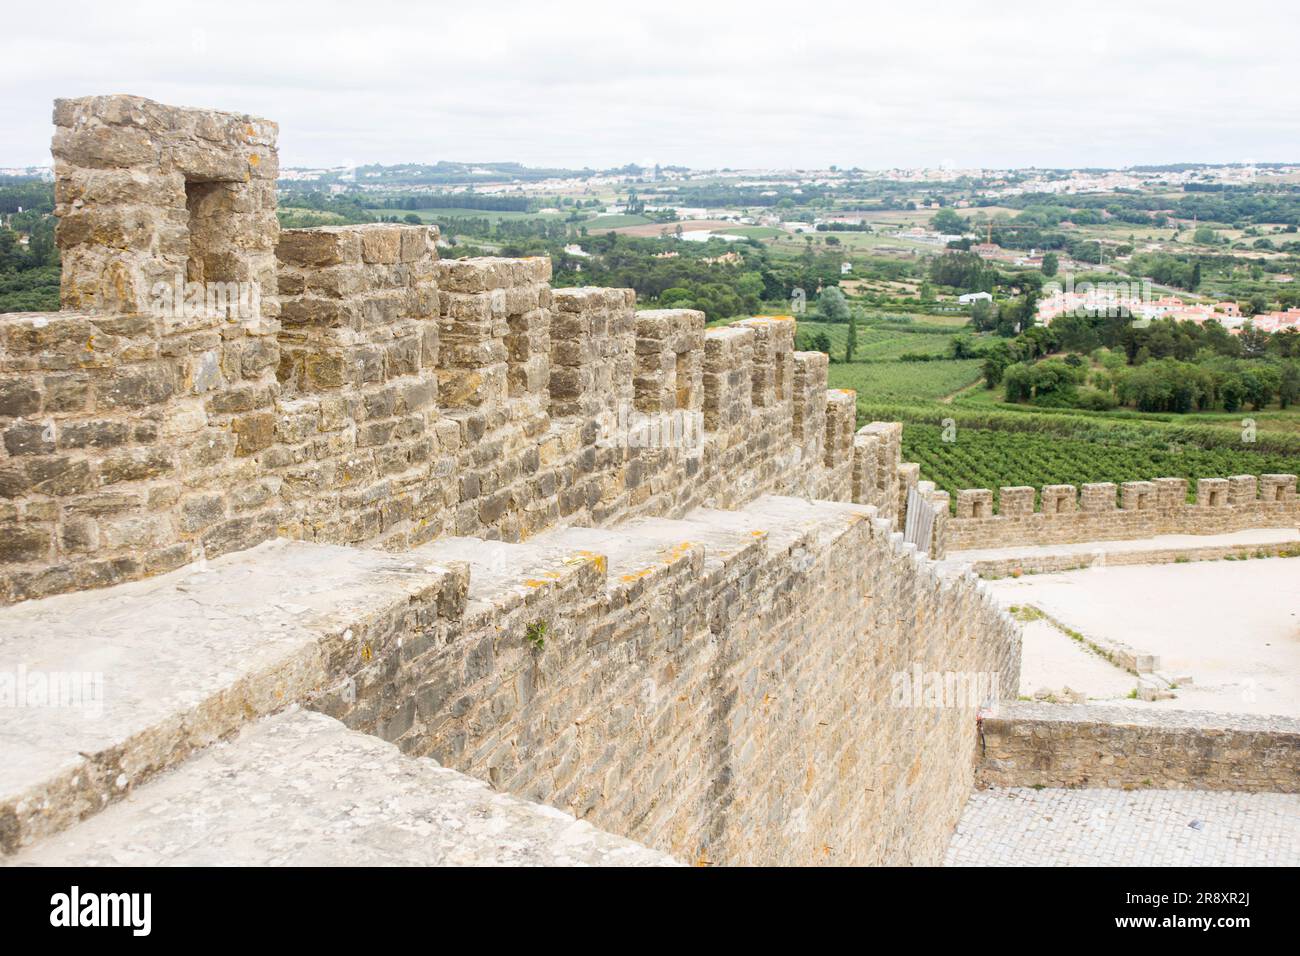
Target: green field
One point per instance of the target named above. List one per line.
(618, 222)
(983, 458)
(756, 232)
(1272, 418)
(438, 215)
(317, 216)
(904, 381)
(881, 344)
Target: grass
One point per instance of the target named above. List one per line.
(886, 380)
(1097, 429)
(756, 232)
(880, 344)
(1272, 419)
(618, 222)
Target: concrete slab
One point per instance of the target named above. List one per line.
(300, 789)
(109, 687)
(1052, 663)
(1232, 626)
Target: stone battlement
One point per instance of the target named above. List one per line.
(365, 392)
(1061, 514)
(396, 399)
(605, 559)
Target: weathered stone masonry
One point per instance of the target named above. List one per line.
(659, 630)
(718, 687)
(1066, 514)
(1085, 745)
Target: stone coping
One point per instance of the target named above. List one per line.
(1144, 717)
(300, 789)
(152, 670)
(1155, 543)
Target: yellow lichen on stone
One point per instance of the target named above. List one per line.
(599, 560)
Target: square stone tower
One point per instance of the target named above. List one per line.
(151, 196)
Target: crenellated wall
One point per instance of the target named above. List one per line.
(642, 570)
(148, 194)
(1066, 514)
(365, 392)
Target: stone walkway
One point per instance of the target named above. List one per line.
(300, 789)
(1129, 551)
(1023, 827)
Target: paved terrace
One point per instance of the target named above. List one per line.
(1225, 635)
(1024, 827)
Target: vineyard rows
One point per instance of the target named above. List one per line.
(981, 458)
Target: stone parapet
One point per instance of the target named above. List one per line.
(1083, 745)
(368, 393)
(1137, 509)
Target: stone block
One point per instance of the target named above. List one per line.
(1016, 501)
(974, 503)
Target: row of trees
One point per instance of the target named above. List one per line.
(1164, 367)
(1163, 385)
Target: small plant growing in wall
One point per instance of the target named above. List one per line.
(535, 634)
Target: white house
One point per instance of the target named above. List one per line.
(970, 297)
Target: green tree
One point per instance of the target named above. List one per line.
(982, 317)
(996, 361)
(947, 221)
(832, 305)
(963, 347)
(1288, 386)
(1050, 264)
(1018, 382)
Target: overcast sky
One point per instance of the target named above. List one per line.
(700, 83)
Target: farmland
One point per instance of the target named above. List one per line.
(442, 214)
(890, 381)
(984, 458)
(877, 370)
(880, 343)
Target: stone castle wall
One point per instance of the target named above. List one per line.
(1068, 515)
(367, 394)
(722, 687)
(671, 593)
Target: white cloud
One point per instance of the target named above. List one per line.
(758, 83)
